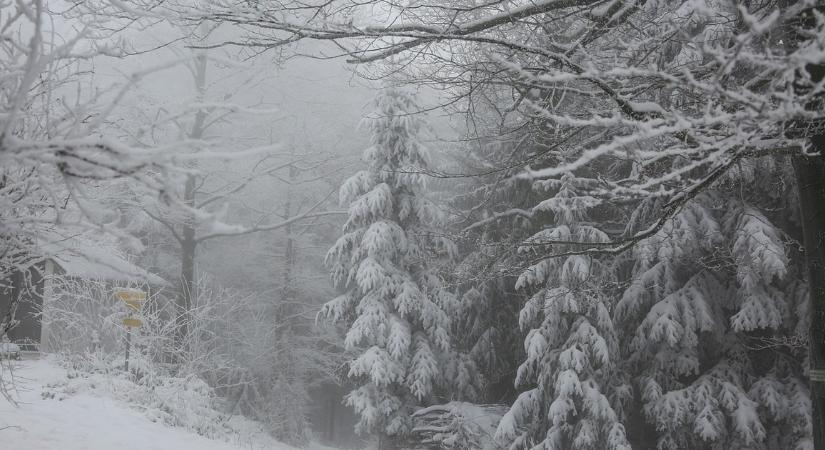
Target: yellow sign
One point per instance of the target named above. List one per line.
(132, 322)
(132, 297)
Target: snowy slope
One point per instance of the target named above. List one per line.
(85, 421)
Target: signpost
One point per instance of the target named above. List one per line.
(132, 322)
(134, 299)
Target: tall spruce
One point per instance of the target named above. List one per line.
(394, 305)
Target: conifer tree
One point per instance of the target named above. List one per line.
(487, 338)
(570, 341)
(709, 321)
(493, 219)
(394, 305)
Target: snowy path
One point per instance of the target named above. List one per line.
(88, 422)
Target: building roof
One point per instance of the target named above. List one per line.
(79, 256)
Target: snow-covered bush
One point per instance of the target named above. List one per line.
(231, 362)
(180, 401)
(457, 426)
(83, 315)
(174, 382)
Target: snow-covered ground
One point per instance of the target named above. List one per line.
(91, 420)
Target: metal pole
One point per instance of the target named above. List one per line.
(128, 344)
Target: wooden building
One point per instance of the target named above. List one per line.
(76, 258)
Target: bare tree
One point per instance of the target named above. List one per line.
(53, 143)
(633, 101)
(211, 191)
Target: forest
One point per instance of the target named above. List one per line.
(414, 224)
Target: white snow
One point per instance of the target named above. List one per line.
(92, 257)
(89, 420)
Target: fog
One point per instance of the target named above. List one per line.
(410, 225)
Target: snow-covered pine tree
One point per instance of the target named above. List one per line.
(711, 322)
(571, 343)
(394, 305)
(493, 219)
(488, 341)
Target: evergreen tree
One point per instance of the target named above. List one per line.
(493, 212)
(394, 305)
(709, 320)
(487, 336)
(571, 343)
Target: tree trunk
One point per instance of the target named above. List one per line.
(289, 297)
(189, 243)
(810, 174)
(188, 249)
(810, 177)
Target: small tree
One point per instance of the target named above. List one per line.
(394, 305)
